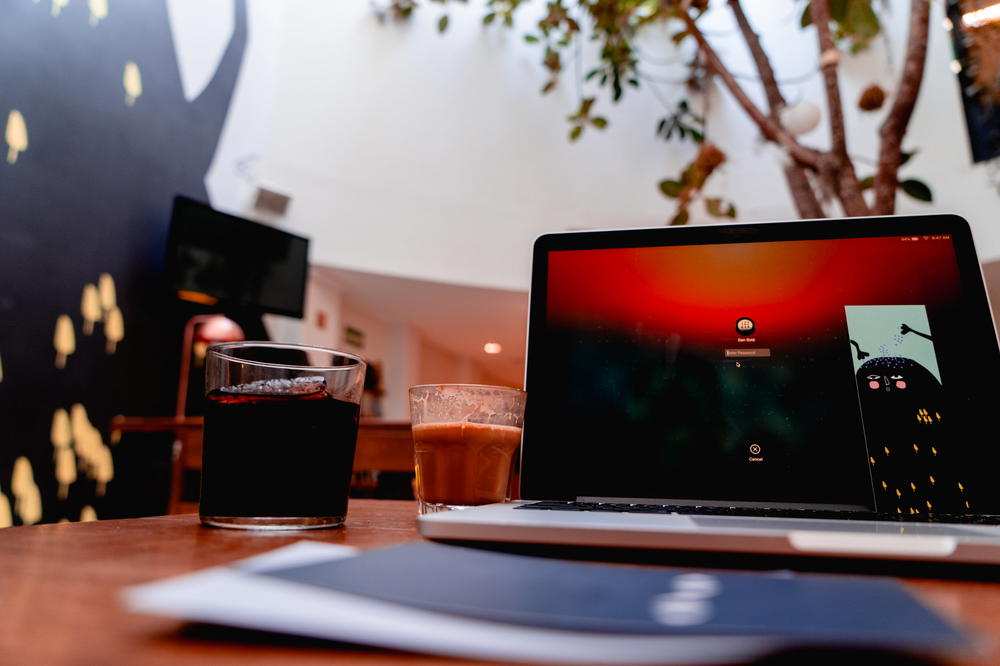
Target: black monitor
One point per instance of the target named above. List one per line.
(226, 261)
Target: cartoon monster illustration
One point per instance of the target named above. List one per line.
(912, 462)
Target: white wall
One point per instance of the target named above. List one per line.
(439, 366)
(434, 156)
(376, 331)
(323, 321)
(404, 354)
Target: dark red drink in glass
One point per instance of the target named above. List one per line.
(278, 452)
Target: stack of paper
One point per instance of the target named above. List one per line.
(471, 603)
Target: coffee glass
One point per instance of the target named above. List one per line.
(281, 425)
(465, 437)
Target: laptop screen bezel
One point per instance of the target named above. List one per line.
(974, 297)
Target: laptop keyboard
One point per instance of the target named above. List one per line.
(615, 507)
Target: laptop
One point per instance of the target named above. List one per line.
(824, 387)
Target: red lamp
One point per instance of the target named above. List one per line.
(205, 329)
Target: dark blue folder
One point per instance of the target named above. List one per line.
(616, 599)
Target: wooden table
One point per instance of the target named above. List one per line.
(59, 587)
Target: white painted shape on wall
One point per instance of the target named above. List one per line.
(201, 31)
(233, 176)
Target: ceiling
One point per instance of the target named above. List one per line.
(455, 318)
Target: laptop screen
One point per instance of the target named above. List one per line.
(762, 365)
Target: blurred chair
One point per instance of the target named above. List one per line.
(200, 331)
(186, 453)
(384, 445)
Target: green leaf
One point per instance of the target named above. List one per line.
(714, 206)
(575, 133)
(531, 39)
(917, 189)
(443, 23)
(591, 74)
(549, 86)
(807, 18)
(508, 20)
(696, 136)
(634, 83)
(678, 37)
(680, 218)
(860, 20)
(489, 18)
(906, 157)
(599, 122)
(671, 188)
(731, 211)
(838, 9)
(867, 183)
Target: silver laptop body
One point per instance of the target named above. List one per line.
(807, 388)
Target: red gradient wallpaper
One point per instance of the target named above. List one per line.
(792, 290)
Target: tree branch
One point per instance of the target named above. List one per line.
(774, 98)
(803, 194)
(771, 130)
(828, 65)
(847, 186)
(896, 121)
(798, 183)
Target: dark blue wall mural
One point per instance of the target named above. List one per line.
(98, 138)
(975, 42)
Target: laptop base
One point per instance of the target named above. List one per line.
(972, 544)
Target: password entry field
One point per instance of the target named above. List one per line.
(748, 352)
